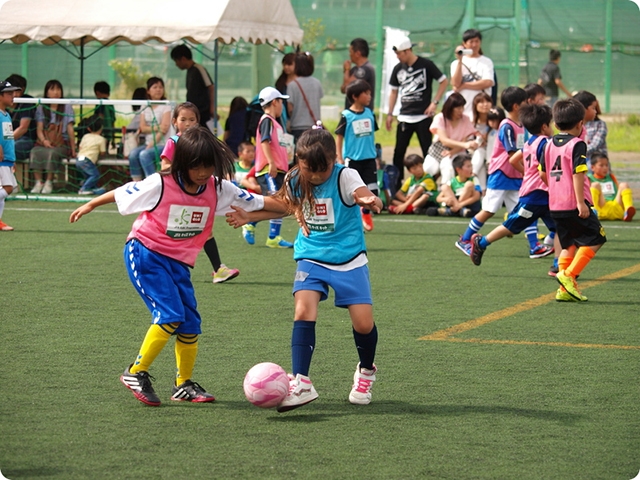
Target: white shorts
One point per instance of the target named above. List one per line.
(431, 165)
(7, 178)
(493, 199)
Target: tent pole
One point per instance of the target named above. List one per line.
(608, 22)
(215, 86)
(82, 69)
(379, 52)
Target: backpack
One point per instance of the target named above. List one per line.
(252, 119)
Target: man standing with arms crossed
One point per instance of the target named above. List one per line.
(361, 70)
(200, 89)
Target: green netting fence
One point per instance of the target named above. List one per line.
(113, 165)
(578, 28)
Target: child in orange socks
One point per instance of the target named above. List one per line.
(564, 169)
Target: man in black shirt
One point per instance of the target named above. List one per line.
(199, 85)
(411, 80)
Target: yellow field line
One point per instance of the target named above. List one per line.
(549, 344)
(522, 307)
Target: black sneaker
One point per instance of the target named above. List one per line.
(191, 392)
(476, 250)
(140, 385)
(432, 211)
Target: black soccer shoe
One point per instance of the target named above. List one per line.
(140, 385)
(191, 392)
(476, 250)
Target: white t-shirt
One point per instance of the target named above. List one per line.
(147, 192)
(473, 69)
(153, 116)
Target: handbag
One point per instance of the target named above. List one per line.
(53, 133)
(304, 97)
(130, 141)
(437, 150)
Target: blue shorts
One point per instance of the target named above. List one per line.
(165, 286)
(351, 288)
(524, 215)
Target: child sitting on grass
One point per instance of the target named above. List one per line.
(612, 200)
(460, 196)
(418, 190)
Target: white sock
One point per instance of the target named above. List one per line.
(3, 195)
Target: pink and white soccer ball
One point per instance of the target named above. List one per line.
(266, 385)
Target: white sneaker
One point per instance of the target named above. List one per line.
(48, 187)
(301, 392)
(37, 188)
(362, 381)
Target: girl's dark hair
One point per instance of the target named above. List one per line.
(281, 82)
(199, 147)
(482, 96)
(238, 103)
(304, 65)
(152, 81)
(455, 100)
(139, 93)
(57, 109)
(496, 113)
(186, 106)
(317, 149)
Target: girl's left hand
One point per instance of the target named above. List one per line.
(238, 217)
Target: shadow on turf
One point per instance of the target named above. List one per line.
(32, 472)
(320, 411)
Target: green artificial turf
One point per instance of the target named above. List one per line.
(516, 397)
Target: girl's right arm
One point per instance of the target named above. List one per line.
(88, 207)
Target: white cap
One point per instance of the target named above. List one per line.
(269, 94)
(403, 43)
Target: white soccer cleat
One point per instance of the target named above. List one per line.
(362, 382)
(301, 392)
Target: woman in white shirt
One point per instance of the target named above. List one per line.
(154, 123)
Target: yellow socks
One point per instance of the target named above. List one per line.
(186, 352)
(154, 341)
(581, 260)
(595, 196)
(627, 198)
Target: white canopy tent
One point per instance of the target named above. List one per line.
(138, 21)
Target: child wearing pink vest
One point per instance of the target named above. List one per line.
(176, 210)
(534, 198)
(564, 169)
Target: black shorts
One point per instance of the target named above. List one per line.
(368, 171)
(581, 232)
